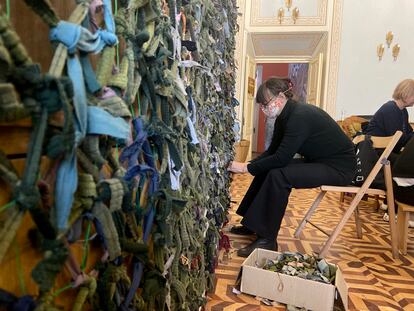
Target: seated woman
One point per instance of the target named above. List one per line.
(393, 115)
(328, 158)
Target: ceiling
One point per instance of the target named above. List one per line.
(281, 45)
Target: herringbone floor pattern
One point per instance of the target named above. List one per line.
(375, 281)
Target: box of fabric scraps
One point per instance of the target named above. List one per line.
(302, 281)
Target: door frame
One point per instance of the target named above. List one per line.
(320, 48)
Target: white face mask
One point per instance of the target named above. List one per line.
(271, 110)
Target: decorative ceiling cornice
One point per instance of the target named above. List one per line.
(256, 18)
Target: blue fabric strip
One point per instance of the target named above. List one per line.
(140, 143)
(103, 123)
(131, 154)
(90, 78)
(66, 185)
(75, 73)
(136, 279)
(67, 174)
(108, 16)
(67, 34)
(77, 37)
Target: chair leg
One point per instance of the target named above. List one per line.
(377, 202)
(393, 228)
(342, 197)
(402, 224)
(341, 224)
(309, 213)
(358, 223)
(391, 210)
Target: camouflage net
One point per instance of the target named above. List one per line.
(148, 167)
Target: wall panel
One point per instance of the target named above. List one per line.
(33, 31)
(364, 82)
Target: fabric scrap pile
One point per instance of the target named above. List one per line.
(138, 157)
(308, 267)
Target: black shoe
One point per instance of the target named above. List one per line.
(259, 243)
(241, 230)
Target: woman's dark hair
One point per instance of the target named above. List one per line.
(272, 87)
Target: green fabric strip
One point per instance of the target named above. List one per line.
(8, 8)
(86, 247)
(6, 206)
(62, 289)
(20, 273)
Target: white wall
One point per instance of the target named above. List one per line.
(364, 82)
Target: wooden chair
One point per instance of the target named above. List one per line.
(404, 211)
(379, 142)
(352, 125)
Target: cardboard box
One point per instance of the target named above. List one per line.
(287, 289)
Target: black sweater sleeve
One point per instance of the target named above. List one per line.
(404, 165)
(296, 132)
(263, 155)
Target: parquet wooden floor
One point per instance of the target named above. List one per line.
(375, 281)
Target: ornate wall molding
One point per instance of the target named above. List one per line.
(287, 59)
(332, 85)
(285, 40)
(319, 20)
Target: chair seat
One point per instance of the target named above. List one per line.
(351, 189)
(405, 207)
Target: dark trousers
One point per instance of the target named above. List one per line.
(404, 194)
(264, 204)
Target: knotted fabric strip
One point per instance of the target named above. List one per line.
(193, 133)
(10, 108)
(103, 215)
(116, 192)
(44, 10)
(77, 37)
(103, 123)
(139, 144)
(133, 171)
(174, 175)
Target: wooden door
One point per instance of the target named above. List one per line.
(315, 80)
(248, 102)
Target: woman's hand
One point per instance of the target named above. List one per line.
(237, 167)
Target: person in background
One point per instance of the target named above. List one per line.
(393, 115)
(269, 126)
(403, 177)
(327, 158)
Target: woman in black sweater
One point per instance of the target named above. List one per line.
(327, 158)
(393, 115)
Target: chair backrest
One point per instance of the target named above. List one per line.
(352, 125)
(379, 142)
